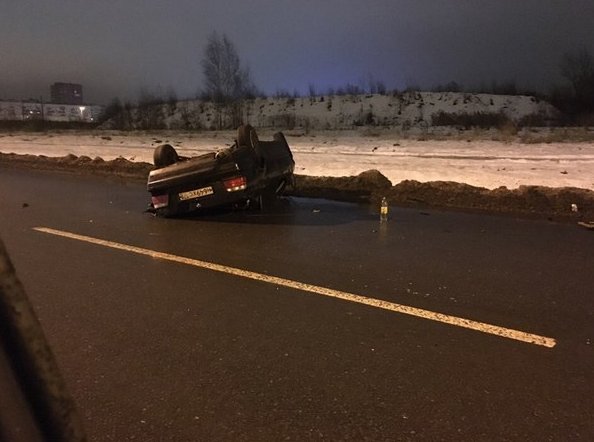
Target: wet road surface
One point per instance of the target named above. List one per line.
(159, 349)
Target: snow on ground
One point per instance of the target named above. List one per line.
(482, 163)
(405, 110)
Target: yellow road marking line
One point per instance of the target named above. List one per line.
(503, 332)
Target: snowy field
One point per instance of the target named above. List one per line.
(484, 163)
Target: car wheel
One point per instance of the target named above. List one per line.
(247, 136)
(279, 137)
(281, 141)
(165, 155)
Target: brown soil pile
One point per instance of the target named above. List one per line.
(531, 201)
(369, 186)
(79, 165)
(353, 188)
(554, 203)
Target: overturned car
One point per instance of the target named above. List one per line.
(251, 172)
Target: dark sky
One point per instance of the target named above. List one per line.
(116, 47)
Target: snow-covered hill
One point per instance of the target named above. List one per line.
(405, 110)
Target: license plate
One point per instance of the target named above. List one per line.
(196, 193)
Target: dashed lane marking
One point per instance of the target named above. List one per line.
(491, 329)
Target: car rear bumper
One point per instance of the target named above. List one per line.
(173, 202)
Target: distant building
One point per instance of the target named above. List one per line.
(12, 110)
(66, 93)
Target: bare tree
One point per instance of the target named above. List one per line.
(118, 115)
(149, 110)
(578, 69)
(113, 112)
(374, 86)
(226, 80)
(171, 100)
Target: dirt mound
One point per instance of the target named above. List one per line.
(352, 188)
(83, 164)
(558, 203)
(532, 201)
(566, 203)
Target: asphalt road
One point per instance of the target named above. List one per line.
(157, 349)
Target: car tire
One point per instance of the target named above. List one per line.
(165, 155)
(279, 137)
(247, 136)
